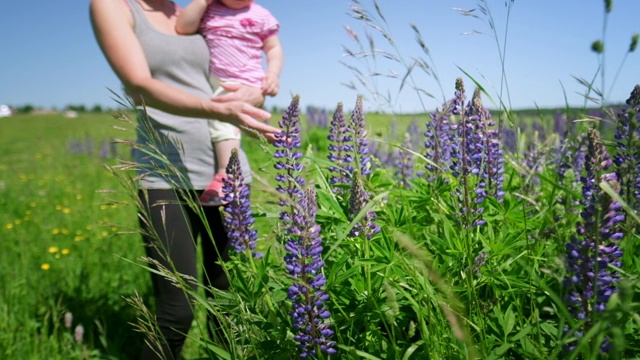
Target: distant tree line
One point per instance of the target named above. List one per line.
(29, 108)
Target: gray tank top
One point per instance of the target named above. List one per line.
(183, 142)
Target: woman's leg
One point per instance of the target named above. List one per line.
(168, 233)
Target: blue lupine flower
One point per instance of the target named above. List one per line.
(534, 161)
(357, 201)
(340, 150)
(288, 155)
(476, 158)
(361, 144)
(317, 118)
(238, 215)
(594, 248)
(627, 153)
(439, 136)
(302, 242)
(403, 169)
(304, 264)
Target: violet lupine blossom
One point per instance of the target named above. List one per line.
(627, 154)
(403, 169)
(302, 242)
(494, 160)
(476, 159)
(304, 264)
(594, 248)
(340, 150)
(288, 155)
(317, 118)
(358, 199)
(442, 143)
(238, 218)
(534, 161)
(361, 144)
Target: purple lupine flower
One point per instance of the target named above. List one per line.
(493, 171)
(302, 242)
(361, 144)
(594, 248)
(534, 161)
(413, 131)
(509, 137)
(104, 149)
(403, 169)
(358, 199)
(288, 158)
(479, 261)
(340, 151)
(476, 160)
(441, 141)
(539, 131)
(317, 118)
(560, 124)
(304, 264)
(238, 218)
(627, 153)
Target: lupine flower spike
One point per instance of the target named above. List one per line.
(302, 242)
(361, 144)
(590, 253)
(404, 163)
(304, 264)
(476, 159)
(340, 150)
(440, 139)
(358, 200)
(288, 157)
(238, 215)
(627, 154)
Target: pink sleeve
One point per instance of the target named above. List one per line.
(270, 26)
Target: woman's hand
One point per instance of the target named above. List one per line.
(244, 115)
(240, 92)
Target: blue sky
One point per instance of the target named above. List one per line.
(49, 57)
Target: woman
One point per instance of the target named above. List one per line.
(168, 74)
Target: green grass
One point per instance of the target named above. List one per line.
(66, 225)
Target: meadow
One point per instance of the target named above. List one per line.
(457, 233)
(430, 282)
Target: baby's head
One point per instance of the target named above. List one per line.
(236, 4)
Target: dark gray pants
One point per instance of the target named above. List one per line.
(178, 229)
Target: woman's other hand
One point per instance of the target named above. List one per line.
(240, 92)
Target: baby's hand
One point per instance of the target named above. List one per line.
(270, 85)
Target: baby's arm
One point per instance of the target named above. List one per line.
(273, 49)
(189, 18)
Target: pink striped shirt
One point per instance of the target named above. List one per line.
(235, 39)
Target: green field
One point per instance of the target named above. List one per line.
(71, 254)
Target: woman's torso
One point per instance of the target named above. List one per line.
(180, 61)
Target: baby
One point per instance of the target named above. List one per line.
(237, 32)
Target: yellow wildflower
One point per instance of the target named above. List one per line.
(65, 251)
(9, 226)
(53, 249)
(55, 231)
(66, 210)
(45, 266)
